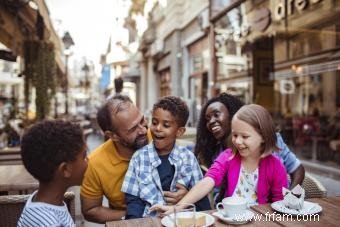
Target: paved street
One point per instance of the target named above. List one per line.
(332, 185)
(327, 173)
(93, 141)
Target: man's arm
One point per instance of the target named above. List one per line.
(93, 211)
(297, 176)
(175, 197)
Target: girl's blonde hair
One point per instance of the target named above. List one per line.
(260, 119)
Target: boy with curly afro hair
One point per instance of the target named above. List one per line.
(54, 152)
(160, 165)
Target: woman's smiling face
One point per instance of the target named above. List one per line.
(217, 117)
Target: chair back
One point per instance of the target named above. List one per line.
(313, 187)
(10, 157)
(11, 207)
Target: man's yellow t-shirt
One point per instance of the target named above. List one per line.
(105, 175)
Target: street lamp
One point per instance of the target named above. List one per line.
(68, 42)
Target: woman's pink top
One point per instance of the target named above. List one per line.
(272, 175)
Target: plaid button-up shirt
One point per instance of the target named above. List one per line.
(142, 178)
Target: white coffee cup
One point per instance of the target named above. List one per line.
(232, 206)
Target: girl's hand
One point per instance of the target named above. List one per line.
(162, 210)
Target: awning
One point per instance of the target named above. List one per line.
(306, 69)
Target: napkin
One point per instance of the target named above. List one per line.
(293, 199)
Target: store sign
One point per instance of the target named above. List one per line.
(291, 7)
(287, 87)
(261, 19)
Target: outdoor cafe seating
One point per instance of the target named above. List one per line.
(10, 156)
(314, 192)
(313, 187)
(11, 207)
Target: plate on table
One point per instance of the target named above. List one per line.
(242, 219)
(308, 208)
(209, 220)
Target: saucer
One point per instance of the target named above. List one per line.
(308, 208)
(236, 220)
(166, 221)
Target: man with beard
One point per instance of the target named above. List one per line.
(126, 131)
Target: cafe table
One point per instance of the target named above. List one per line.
(329, 216)
(16, 178)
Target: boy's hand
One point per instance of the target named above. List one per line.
(162, 210)
(175, 197)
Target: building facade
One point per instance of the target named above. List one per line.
(285, 56)
(173, 61)
(281, 54)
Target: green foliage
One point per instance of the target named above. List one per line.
(40, 72)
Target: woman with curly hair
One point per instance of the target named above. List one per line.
(214, 129)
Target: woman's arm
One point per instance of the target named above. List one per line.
(291, 162)
(297, 176)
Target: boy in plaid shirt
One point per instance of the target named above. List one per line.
(158, 166)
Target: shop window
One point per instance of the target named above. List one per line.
(314, 42)
(337, 35)
(231, 47)
(338, 89)
(297, 46)
(196, 64)
(165, 83)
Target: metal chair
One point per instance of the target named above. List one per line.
(11, 207)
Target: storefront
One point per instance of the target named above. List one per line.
(199, 66)
(307, 59)
(243, 51)
(284, 55)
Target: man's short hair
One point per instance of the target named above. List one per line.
(47, 144)
(104, 114)
(176, 106)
